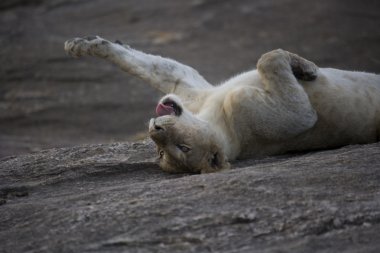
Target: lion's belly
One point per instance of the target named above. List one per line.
(348, 107)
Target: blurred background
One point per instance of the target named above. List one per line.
(48, 99)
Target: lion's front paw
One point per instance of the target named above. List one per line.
(85, 46)
(303, 69)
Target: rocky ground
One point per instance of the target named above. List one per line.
(112, 197)
(48, 99)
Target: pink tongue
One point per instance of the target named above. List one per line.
(162, 110)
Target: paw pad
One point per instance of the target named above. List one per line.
(83, 46)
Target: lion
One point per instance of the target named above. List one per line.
(287, 104)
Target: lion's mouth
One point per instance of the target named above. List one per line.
(168, 107)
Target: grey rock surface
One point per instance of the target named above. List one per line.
(48, 99)
(114, 198)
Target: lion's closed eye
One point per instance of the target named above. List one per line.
(184, 148)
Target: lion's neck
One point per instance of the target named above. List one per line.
(213, 113)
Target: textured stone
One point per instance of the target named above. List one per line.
(114, 198)
(48, 99)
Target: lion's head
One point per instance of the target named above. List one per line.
(184, 142)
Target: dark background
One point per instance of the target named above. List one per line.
(48, 99)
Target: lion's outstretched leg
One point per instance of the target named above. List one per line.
(163, 74)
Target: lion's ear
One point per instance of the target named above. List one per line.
(217, 161)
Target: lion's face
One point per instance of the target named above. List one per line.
(184, 142)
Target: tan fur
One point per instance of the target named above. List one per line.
(252, 120)
(287, 104)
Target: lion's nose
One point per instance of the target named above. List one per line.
(154, 127)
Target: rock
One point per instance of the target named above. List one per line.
(8, 4)
(114, 198)
(164, 37)
(50, 100)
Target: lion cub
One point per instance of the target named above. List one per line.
(287, 104)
